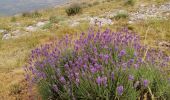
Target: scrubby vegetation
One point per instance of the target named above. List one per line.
(34, 14)
(121, 15)
(73, 9)
(99, 65)
(130, 2)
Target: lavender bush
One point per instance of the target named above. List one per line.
(99, 65)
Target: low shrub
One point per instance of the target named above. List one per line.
(34, 14)
(47, 26)
(73, 9)
(109, 0)
(13, 19)
(99, 65)
(121, 15)
(96, 3)
(130, 2)
(55, 19)
(90, 5)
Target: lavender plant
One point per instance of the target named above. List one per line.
(102, 65)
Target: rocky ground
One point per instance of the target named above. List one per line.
(143, 13)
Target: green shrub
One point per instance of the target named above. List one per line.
(109, 0)
(47, 26)
(90, 5)
(55, 19)
(13, 19)
(34, 14)
(96, 3)
(102, 65)
(121, 15)
(73, 9)
(130, 2)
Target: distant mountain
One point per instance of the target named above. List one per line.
(11, 7)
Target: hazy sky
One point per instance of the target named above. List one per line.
(10, 7)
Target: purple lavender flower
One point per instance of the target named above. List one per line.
(93, 70)
(131, 77)
(55, 88)
(62, 79)
(112, 76)
(99, 80)
(131, 61)
(124, 65)
(135, 54)
(120, 90)
(66, 66)
(145, 83)
(85, 66)
(122, 53)
(98, 67)
(106, 58)
(136, 66)
(77, 81)
(104, 79)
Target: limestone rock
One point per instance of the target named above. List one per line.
(31, 29)
(100, 21)
(6, 36)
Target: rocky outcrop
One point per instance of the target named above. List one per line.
(100, 21)
(152, 11)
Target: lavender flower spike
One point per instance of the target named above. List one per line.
(122, 53)
(99, 80)
(120, 90)
(145, 83)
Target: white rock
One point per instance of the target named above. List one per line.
(1, 31)
(74, 24)
(16, 33)
(167, 14)
(41, 24)
(30, 28)
(142, 5)
(6, 36)
(100, 21)
(130, 22)
(151, 11)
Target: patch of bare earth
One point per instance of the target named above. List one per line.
(13, 86)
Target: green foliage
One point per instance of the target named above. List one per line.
(90, 5)
(55, 19)
(34, 14)
(73, 9)
(130, 2)
(109, 0)
(96, 3)
(121, 15)
(47, 26)
(13, 19)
